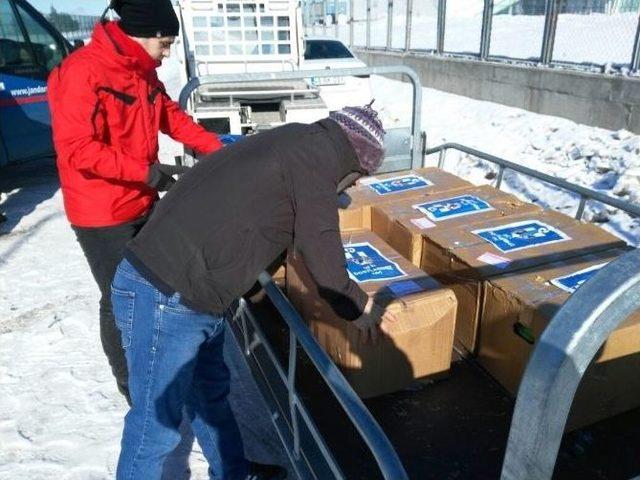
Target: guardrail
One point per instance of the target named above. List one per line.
(585, 194)
(299, 334)
(559, 361)
(416, 134)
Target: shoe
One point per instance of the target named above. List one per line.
(260, 471)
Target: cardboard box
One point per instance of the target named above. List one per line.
(402, 223)
(516, 310)
(462, 259)
(419, 343)
(355, 212)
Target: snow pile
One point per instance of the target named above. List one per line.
(592, 157)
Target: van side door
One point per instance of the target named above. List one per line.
(29, 49)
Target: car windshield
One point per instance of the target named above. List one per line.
(320, 49)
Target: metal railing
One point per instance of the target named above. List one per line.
(416, 134)
(585, 194)
(621, 54)
(299, 334)
(559, 360)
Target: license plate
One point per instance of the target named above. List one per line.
(321, 81)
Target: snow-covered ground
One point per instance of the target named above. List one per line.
(60, 413)
(592, 157)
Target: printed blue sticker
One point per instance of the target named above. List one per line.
(570, 283)
(365, 264)
(521, 235)
(453, 207)
(399, 184)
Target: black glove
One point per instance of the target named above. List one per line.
(161, 175)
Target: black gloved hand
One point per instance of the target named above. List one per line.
(161, 175)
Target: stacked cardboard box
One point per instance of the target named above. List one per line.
(518, 307)
(464, 257)
(417, 345)
(355, 213)
(402, 223)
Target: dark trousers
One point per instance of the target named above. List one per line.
(103, 247)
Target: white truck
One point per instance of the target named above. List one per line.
(239, 36)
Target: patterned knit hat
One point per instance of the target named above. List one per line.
(365, 132)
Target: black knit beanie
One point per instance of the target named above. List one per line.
(147, 18)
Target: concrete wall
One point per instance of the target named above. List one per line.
(611, 102)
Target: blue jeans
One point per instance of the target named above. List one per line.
(175, 362)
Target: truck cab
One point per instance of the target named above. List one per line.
(30, 47)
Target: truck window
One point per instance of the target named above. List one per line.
(48, 49)
(15, 54)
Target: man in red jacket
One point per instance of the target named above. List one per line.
(107, 107)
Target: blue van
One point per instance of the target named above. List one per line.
(30, 47)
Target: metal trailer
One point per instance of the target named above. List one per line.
(568, 345)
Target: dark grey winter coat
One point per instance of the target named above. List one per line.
(232, 215)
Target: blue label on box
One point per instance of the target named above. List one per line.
(521, 235)
(570, 283)
(399, 184)
(365, 264)
(453, 207)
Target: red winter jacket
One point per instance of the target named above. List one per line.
(107, 107)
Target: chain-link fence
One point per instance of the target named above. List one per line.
(600, 34)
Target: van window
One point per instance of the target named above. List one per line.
(15, 53)
(49, 50)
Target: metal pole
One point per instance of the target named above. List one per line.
(324, 18)
(485, 38)
(336, 24)
(368, 42)
(442, 19)
(351, 23)
(550, 24)
(369, 430)
(407, 38)
(389, 24)
(416, 153)
(558, 362)
(635, 57)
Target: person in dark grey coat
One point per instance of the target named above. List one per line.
(204, 246)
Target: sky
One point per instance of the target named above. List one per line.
(84, 7)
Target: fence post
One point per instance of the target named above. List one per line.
(407, 39)
(485, 38)
(336, 24)
(389, 24)
(550, 24)
(368, 44)
(324, 18)
(442, 17)
(635, 57)
(351, 24)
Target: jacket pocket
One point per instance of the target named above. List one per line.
(124, 309)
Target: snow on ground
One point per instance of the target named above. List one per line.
(60, 413)
(592, 157)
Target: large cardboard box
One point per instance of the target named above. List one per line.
(516, 310)
(402, 223)
(462, 258)
(356, 202)
(419, 343)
